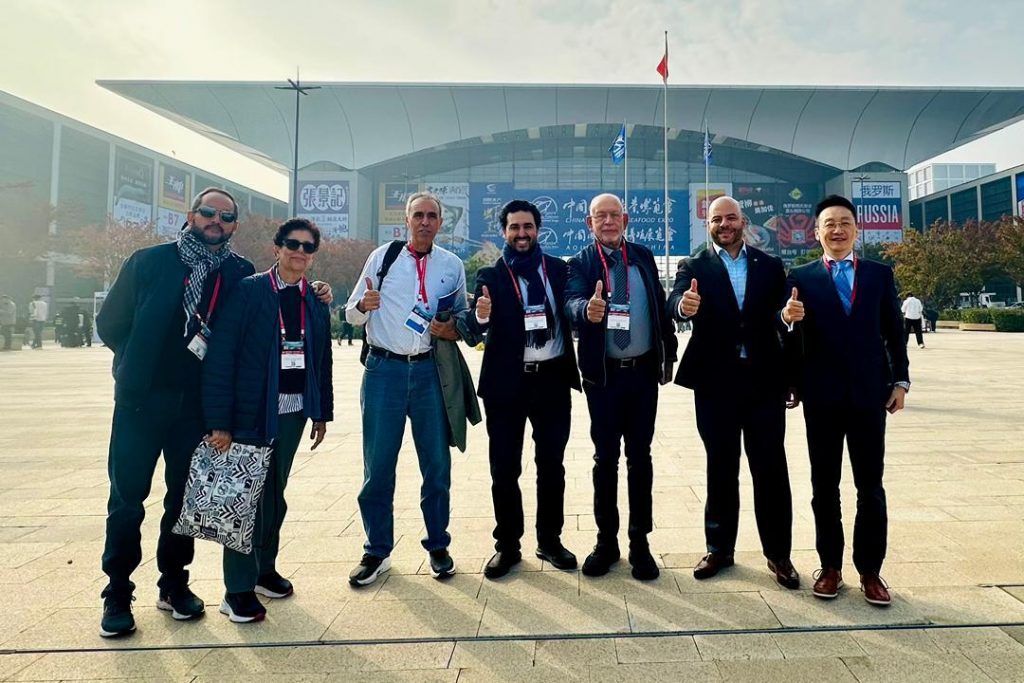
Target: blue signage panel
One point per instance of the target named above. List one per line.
(563, 217)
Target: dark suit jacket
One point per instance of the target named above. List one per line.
(501, 373)
(849, 358)
(140, 308)
(711, 361)
(585, 270)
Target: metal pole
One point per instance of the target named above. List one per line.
(295, 157)
(668, 204)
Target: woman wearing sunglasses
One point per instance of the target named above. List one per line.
(267, 372)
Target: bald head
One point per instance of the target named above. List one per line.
(727, 223)
(607, 220)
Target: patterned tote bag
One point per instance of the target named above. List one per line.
(222, 493)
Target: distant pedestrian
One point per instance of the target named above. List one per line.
(913, 311)
(8, 319)
(38, 313)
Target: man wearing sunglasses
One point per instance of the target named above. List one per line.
(158, 319)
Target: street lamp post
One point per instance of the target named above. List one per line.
(299, 89)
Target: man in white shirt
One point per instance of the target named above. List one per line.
(401, 381)
(528, 373)
(913, 310)
(38, 312)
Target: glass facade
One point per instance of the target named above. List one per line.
(84, 165)
(996, 199)
(964, 206)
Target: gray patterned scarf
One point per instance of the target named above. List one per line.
(196, 256)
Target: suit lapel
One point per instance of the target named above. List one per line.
(822, 280)
(718, 267)
(753, 270)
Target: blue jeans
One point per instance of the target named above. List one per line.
(393, 390)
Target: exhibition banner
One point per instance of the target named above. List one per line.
(326, 203)
(133, 188)
(701, 196)
(173, 200)
(879, 207)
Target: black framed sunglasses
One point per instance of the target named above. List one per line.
(210, 212)
(295, 245)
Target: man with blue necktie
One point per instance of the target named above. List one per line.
(845, 314)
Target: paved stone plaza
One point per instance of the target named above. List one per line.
(955, 483)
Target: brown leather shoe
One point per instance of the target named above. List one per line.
(875, 590)
(711, 564)
(827, 583)
(785, 573)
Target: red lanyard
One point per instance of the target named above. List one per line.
(302, 305)
(213, 298)
(515, 282)
(607, 275)
(421, 274)
(853, 293)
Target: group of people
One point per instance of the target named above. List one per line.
(828, 335)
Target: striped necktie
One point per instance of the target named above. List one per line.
(842, 282)
(619, 278)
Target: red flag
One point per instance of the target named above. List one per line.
(663, 64)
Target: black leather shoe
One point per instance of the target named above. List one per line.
(711, 564)
(600, 560)
(785, 573)
(501, 562)
(557, 555)
(644, 566)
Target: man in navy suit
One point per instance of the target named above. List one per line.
(528, 372)
(627, 347)
(734, 364)
(845, 313)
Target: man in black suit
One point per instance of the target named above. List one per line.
(853, 368)
(528, 372)
(627, 347)
(734, 364)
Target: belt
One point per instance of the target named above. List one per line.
(635, 361)
(535, 366)
(411, 358)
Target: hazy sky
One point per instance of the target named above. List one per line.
(54, 51)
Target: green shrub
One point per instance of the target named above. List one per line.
(1008, 320)
(981, 316)
(949, 314)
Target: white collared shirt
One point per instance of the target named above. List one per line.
(385, 327)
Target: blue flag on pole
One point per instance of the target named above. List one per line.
(707, 148)
(618, 149)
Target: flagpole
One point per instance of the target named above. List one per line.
(668, 205)
(625, 173)
(707, 195)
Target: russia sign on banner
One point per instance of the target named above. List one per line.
(879, 210)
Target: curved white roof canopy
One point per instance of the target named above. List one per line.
(822, 130)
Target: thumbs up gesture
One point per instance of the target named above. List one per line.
(597, 305)
(690, 302)
(483, 305)
(794, 309)
(370, 300)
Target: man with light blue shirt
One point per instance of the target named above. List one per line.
(735, 365)
(401, 381)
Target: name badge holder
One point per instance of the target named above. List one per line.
(420, 316)
(293, 353)
(618, 314)
(534, 317)
(200, 342)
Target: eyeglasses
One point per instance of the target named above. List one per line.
(210, 212)
(602, 216)
(295, 245)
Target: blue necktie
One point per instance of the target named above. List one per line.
(842, 282)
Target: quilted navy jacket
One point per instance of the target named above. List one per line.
(241, 368)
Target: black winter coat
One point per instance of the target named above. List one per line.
(141, 307)
(242, 366)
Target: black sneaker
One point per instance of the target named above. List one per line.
(182, 603)
(243, 608)
(442, 565)
(370, 567)
(117, 615)
(273, 585)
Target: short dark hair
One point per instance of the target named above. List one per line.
(197, 201)
(835, 200)
(293, 224)
(518, 205)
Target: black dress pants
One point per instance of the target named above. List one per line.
(545, 401)
(168, 422)
(864, 432)
(624, 411)
(912, 325)
(760, 420)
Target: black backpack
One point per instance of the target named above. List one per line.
(394, 249)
